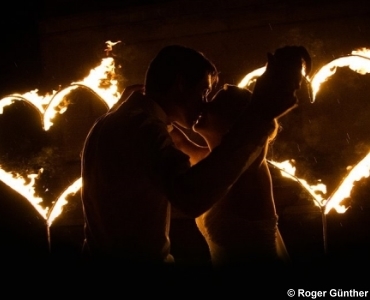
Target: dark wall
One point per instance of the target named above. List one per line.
(235, 34)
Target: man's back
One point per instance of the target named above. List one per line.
(128, 161)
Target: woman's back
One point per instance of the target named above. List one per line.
(242, 228)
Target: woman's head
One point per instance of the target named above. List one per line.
(220, 114)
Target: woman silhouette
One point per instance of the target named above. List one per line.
(241, 228)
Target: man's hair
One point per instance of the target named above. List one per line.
(173, 61)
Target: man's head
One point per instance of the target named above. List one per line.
(179, 79)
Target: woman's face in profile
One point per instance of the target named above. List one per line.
(220, 114)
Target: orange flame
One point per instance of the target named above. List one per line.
(359, 62)
(49, 106)
(343, 191)
(251, 77)
(103, 73)
(361, 170)
(57, 209)
(27, 190)
(316, 191)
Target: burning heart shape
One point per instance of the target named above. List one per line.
(39, 156)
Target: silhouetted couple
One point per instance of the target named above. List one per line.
(137, 163)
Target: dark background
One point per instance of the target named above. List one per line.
(50, 44)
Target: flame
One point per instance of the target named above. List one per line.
(362, 52)
(62, 200)
(33, 97)
(251, 77)
(55, 106)
(359, 62)
(361, 170)
(27, 190)
(102, 81)
(110, 45)
(316, 191)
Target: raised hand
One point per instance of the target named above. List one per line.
(274, 92)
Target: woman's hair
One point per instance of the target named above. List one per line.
(228, 103)
(174, 61)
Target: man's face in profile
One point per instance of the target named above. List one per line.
(194, 99)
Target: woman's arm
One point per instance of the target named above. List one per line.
(182, 142)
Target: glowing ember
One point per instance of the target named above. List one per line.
(110, 45)
(361, 170)
(27, 190)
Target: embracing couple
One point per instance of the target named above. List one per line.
(137, 162)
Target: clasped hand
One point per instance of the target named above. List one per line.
(274, 92)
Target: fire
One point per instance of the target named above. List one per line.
(27, 190)
(62, 200)
(361, 170)
(251, 77)
(33, 97)
(55, 106)
(359, 62)
(316, 191)
(110, 45)
(102, 81)
(362, 52)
